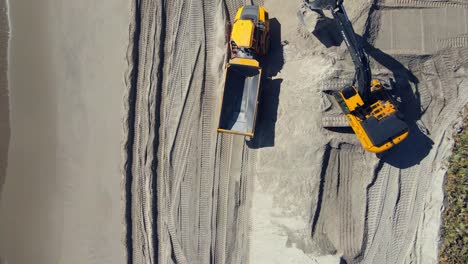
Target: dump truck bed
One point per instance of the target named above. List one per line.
(240, 99)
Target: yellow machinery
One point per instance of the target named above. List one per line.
(377, 123)
(369, 108)
(250, 39)
(250, 34)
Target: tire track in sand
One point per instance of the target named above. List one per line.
(336, 227)
(233, 187)
(425, 3)
(158, 103)
(138, 236)
(396, 199)
(171, 141)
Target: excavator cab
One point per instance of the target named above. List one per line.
(378, 124)
(368, 107)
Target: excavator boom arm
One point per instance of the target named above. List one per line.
(358, 55)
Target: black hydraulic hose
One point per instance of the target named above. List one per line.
(358, 55)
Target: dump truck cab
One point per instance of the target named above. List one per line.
(248, 42)
(250, 33)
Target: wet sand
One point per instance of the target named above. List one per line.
(4, 93)
(61, 199)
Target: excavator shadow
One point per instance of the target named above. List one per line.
(341, 130)
(270, 91)
(418, 145)
(327, 32)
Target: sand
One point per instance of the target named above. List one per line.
(61, 199)
(316, 192)
(296, 193)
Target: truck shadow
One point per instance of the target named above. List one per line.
(270, 91)
(267, 115)
(274, 61)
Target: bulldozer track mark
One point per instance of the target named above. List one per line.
(232, 205)
(174, 228)
(424, 3)
(241, 182)
(142, 233)
(339, 200)
(128, 128)
(316, 215)
(337, 84)
(231, 8)
(231, 159)
(232, 199)
(353, 241)
(225, 166)
(372, 213)
(214, 216)
(377, 215)
(445, 69)
(455, 42)
(334, 121)
(405, 206)
(181, 204)
(245, 202)
(425, 96)
(182, 150)
(400, 224)
(426, 71)
(207, 132)
(184, 134)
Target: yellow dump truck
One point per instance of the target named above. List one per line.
(249, 40)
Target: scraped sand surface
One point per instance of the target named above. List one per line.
(61, 199)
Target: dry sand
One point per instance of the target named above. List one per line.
(297, 193)
(61, 199)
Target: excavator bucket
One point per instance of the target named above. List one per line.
(318, 6)
(311, 12)
(322, 4)
(303, 15)
(240, 99)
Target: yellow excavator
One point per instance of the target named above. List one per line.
(249, 40)
(368, 107)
